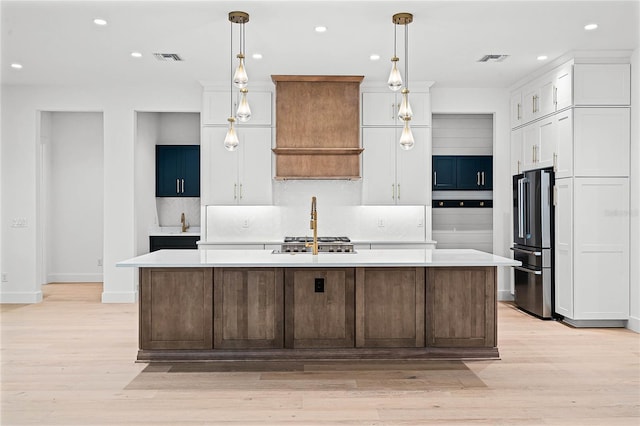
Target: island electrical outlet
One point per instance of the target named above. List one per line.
(319, 285)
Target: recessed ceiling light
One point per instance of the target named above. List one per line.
(590, 27)
(16, 66)
(374, 57)
(136, 54)
(321, 29)
(99, 21)
(542, 57)
(257, 56)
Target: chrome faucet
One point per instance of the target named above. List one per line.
(183, 221)
(313, 224)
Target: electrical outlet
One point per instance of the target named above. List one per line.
(99, 262)
(380, 222)
(319, 285)
(19, 222)
(5, 277)
(245, 223)
(420, 222)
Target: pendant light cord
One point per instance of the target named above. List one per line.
(406, 55)
(231, 68)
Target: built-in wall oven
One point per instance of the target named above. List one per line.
(533, 241)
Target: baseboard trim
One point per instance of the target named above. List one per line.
(505, 296)
(21, 297)
(74, 278)
(119, 297)
(634, 324)
(595, 323)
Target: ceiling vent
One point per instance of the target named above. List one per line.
(171, 57)
(493, 58)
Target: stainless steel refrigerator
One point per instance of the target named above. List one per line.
(533, 241)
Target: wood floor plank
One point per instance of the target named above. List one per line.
(70, 361)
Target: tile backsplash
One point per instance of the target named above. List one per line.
(170, 208)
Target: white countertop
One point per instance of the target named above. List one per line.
(363, 258)
(174, 231)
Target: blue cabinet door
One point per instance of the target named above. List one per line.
(177, 170)
(484, 164)
(444, 172)
(467, 173)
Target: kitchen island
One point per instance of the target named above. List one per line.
(200, 305)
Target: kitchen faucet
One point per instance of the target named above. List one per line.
(314, 225)
(183, 221)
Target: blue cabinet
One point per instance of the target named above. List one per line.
(177, 170)
(462, 172)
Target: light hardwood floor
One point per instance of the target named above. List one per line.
(70, 361)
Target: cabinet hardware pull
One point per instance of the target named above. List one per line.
(533, 103)
(177, 186)
(478, 178)
(482, 178)
(182, 187)
(555, 195)
(518, 166)
(435, 178)
(563, 118)
(393, 111)
(235, 191)
(241, 191)
(398, 191)
(555, 162)
(555, 96)
(393, 191)
(519, 108)
(533, 153)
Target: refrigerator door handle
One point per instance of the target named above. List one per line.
(520, 208)
(528, 271)
(531, 252)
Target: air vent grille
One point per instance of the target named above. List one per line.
(493, 58)
(171, 57)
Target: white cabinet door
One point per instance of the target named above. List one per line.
(516, 109)
(254, 174)
(413, 169)
(563, 87)
(564, 141)
(220, 179)
(530, 101)
(602, 84)
(215, 108)
(516, 152)
(563, 247)
(530, 140)
(548, 147)
(546, 101)
(379, 166)
(381, 109)
(601, 250)
(602, 141)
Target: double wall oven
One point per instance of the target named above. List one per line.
(533, 241)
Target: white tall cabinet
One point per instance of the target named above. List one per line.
(584, 134)
(390, 174)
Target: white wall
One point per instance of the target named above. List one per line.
(74, 196)
(19, 160)
(496, 102)
(634, 186)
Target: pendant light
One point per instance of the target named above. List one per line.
(395, 82)
(239, 79)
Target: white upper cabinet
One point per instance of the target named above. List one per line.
(242, 176)
(563, 88)
(516, 152)
(216, 108)
(602, 142)
(392, 175)
(381, 108)
(602, 84)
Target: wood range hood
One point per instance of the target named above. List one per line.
(317, 126)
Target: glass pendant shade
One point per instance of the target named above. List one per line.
(405, 112)
(406, 138)
(240, 78)
(395, 79)
(243, 114)
(231, 139)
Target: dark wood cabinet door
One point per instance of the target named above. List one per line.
(248, 308)
(176, 308)
(444, 172)
(390, 307)
(319, 308)
(461, 307)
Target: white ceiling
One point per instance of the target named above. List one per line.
(58, 43)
